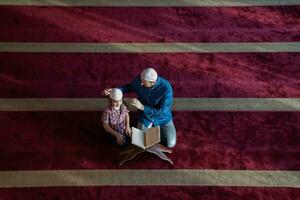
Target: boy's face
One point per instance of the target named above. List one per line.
(116, 103)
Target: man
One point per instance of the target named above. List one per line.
(154, 102)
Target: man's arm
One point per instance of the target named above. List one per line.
(130, 87)
(165, 105)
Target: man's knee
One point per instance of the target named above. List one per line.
(171, 142)
(168, 135)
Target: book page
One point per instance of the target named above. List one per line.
(152, 136)
(137, 137)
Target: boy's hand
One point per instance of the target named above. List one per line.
(120, 139)
(128, 131)
(106, 91)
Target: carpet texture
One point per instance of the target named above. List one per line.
(205, 140)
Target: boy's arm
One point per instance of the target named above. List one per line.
(128, 129)
(127, 120)
(110, 130)
(120, 138)
(105, 123)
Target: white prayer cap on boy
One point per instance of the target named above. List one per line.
(149, 74)
(116, 94)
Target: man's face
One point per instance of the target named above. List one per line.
(148, 84)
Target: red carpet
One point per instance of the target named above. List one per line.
(79, 24)
(206, 140)
(192, 75)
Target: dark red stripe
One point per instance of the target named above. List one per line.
(153, 193)
(206, 140)
(200, 24)
(191, 74)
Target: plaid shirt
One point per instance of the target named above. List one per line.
(116, 119)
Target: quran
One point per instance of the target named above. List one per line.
(145, 139)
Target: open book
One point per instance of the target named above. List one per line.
(145, 139)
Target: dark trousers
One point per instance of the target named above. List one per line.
(113, 140)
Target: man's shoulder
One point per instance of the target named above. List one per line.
(165, 83)
(136, 80)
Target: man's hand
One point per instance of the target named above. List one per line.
(120, 139)
(136, 103)
(106, 91)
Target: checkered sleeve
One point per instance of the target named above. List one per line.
(105, 117)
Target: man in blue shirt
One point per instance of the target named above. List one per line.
(154, 102)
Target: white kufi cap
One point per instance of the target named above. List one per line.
(149, 74)
(116, 94)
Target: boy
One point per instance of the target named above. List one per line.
(115, 119)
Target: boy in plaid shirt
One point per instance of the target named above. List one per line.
(115, 119)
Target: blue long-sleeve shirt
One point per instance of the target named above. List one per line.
(157, 100)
